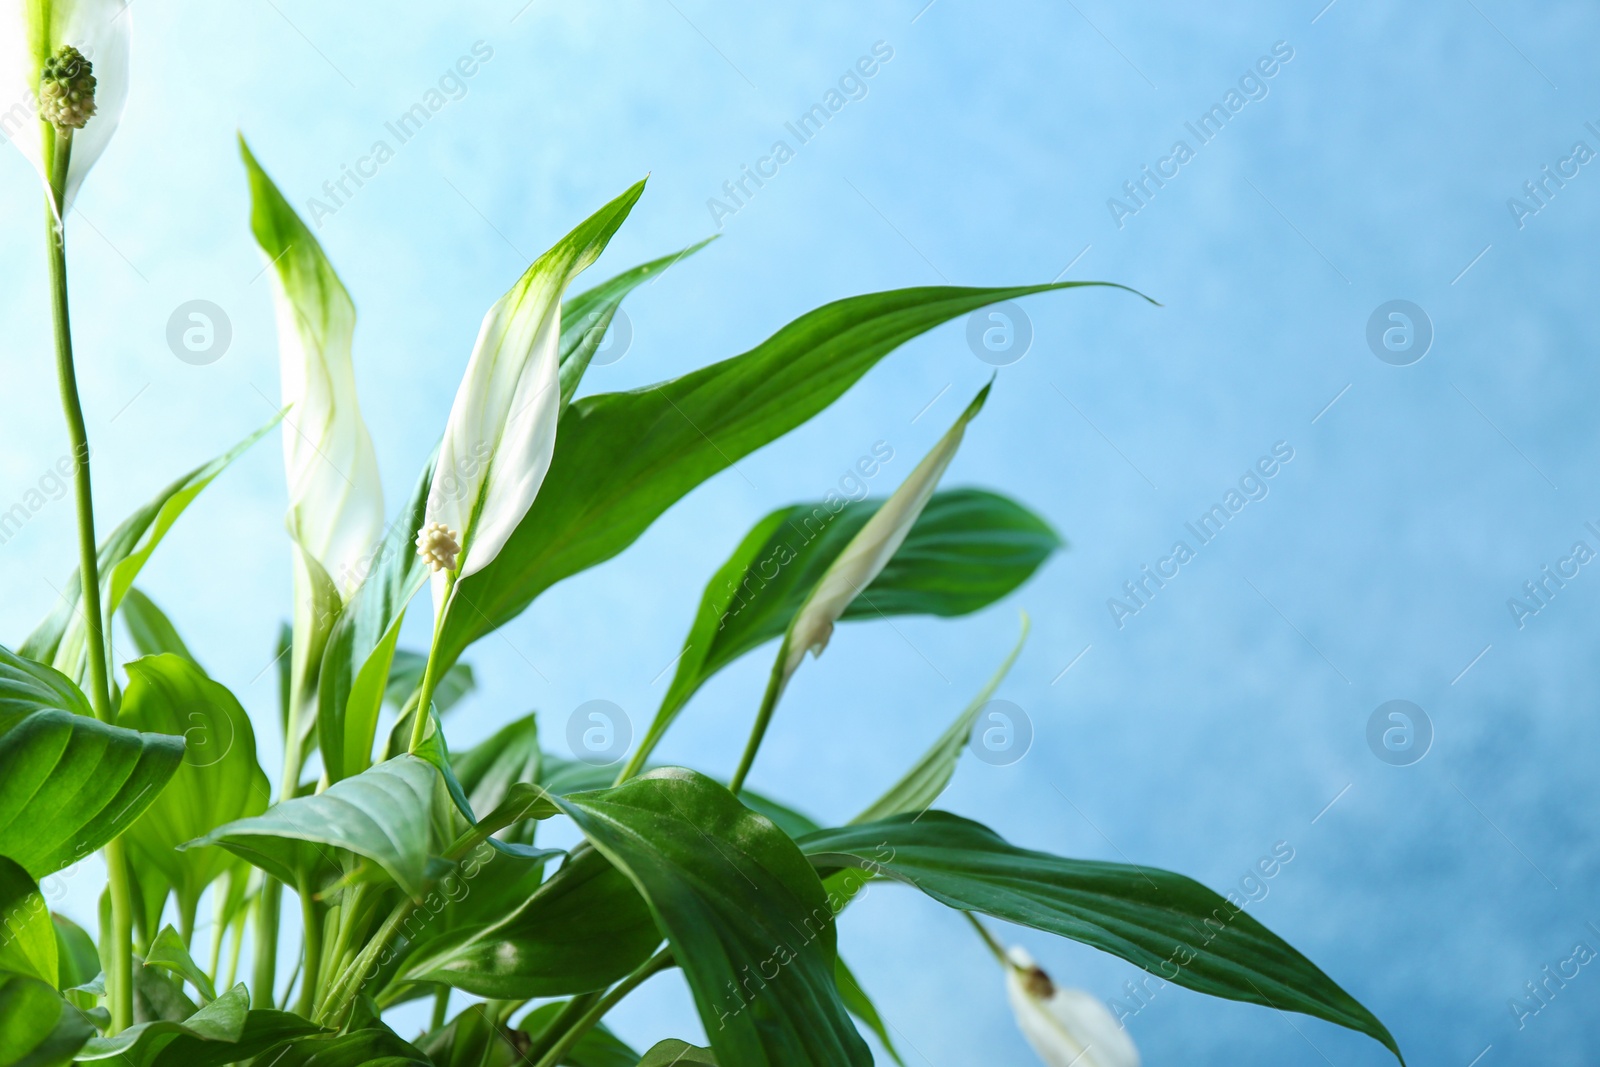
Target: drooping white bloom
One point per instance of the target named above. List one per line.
(31, 31)
(501, 434)
(1066, 1027)
(335, 496)
(870, 550)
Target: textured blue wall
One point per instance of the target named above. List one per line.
(1230, 713)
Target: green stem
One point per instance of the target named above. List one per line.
(348, 984)
(769, 703)
(119, 983)
(570, 1013)
(430, 674)
(441, 1008)
(312, 947)
(659, 962)
(988, 939)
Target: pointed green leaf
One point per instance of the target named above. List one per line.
(77, 958)
(622, 459)
(916, 791)
(37, 1027)
(1170, 925)
(219, 780)
(59, 640)
(168, 952)
(735, 898)
(27, 936)
(586, 317)
(357, 659)
(224, 1031)
(374, 1045)
(151, 630)
(489, 770)
(68, 783)
(968, 549)
(384, 814)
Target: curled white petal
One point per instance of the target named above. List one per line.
(501, 434)
(870, 550)
(335, 495)
(34, 29)
(1066, 1027)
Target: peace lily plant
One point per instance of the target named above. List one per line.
(418, 871)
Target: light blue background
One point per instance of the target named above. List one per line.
(1220, 720)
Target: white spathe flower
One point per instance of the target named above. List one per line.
(1066, 1027)
(335, 496)
(33, 30)
(873, 546)
(501, 434)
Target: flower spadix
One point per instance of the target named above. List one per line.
(335, 497)
(501, 434)
(63, 65)
(1066, 1027)
(872, 547)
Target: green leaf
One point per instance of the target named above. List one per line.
(736, 899)
(384, 814)
(37, 1027)
(488, 770)
(68, 783)
(860, 1005)
(78, 959)
(581, 930)
(168, 952)
(151, 630)
(586, 317)
(916, 791)
(968, 549)
(224, 1031)
(356, 662)
(675, 1053)
(622, 459)
(1170, 925)
(219, 780)
(27, 937)
(373, 1046)
(59, 640)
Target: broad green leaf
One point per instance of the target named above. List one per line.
(385, 814)
(168, 952)
(675, 1053)
(224, 1031)
(861, 1006)
(794, 823)
(27, 936)
(488, 770)
(68, 783)
(59, 640)
(1170, 925)
(357, 659)
(736, 899)
(77, 958)
(586, 317)
(916, 791)
(968, 549)
(583, 929)
(219, 780)
(622, 459)
(151, 630)
(37, 1027)
(502, 426)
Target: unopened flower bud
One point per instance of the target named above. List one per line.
(438, 547)
(66, 89)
